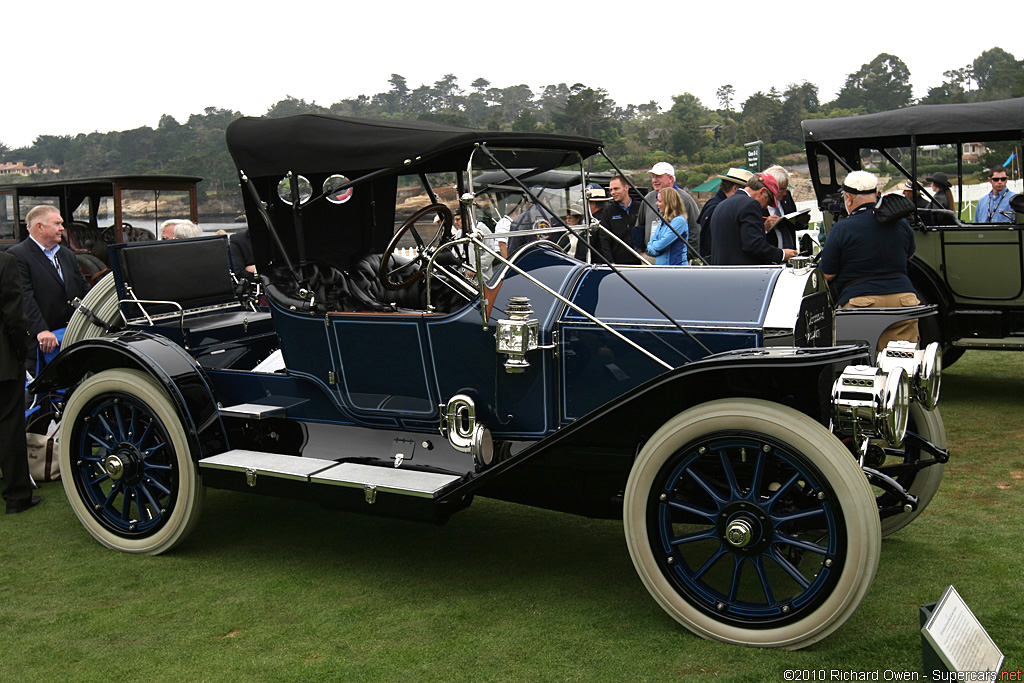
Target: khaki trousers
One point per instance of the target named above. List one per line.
(905, 330)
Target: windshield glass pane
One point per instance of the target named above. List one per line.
(146, 209)
(529, 203)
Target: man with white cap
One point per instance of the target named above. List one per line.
(866, 260)
(732, 180)
(663, 174)
(738, 229)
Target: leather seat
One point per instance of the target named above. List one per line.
(364, 276)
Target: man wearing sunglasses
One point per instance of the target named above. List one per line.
(995, 206)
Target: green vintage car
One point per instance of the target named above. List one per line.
(973, 271)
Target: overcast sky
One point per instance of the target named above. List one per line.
(113, 65)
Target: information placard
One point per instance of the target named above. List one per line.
(959, 639)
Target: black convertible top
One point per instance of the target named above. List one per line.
(930, 123)
(314, 143)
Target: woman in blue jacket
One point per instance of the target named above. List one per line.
(668, 242)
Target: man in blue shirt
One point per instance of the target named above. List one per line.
(866, 260)
(992, 206)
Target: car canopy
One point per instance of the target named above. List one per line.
(314, 143)
(925, 124)
(372, 155)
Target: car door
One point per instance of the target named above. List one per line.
(381, 364)
(984, 261)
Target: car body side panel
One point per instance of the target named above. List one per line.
(597, 367)
(582, 467)
(733, 297)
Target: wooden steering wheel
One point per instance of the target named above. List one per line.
(444, 232)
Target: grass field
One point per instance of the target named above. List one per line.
(270, 590)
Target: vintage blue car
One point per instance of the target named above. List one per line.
(756, 464)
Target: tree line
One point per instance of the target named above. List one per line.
(699, 139)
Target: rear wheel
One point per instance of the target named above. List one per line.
(750, 523)
(126, 465)
(922, 483)
(932, 329)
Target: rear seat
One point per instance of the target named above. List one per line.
(194, 273)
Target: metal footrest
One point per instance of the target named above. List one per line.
(270, 407)
(371, 479)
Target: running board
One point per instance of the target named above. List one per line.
(371, 479)
(1002, 344)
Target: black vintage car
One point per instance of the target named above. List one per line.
(973, 271)
(100, 211)
(755, 464)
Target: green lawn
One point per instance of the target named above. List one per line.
(270, 590)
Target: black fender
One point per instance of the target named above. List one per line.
(589, 460)
(929, 285)
(171, 366)
(855, 325)
(932, 289)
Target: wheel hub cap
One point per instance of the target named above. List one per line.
(123, 463)
(738, 533)
(114, 467)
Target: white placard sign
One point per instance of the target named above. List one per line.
(959, 638)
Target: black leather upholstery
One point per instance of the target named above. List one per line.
(365, 277)
(359, 289)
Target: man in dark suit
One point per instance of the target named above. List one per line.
(14, 340)
(50, 276)
(738, 229)
(732, 181)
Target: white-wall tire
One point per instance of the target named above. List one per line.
(796, 474)
(126, 465)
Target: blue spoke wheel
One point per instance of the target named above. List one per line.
(750, 523)
(126, 465)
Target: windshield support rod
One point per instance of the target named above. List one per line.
(899, 167)
(300, 238)
(835, 155)
(270, 224)
(615, 270)
(508, 264)
(428, 189)
(581, 235)
(654, 208)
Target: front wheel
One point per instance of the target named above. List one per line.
(126, 465)
(750, 523)
(900, 464)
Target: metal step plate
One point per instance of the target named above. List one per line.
(256, 411)
(331, 473)
(391, 480)
(269, 464)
